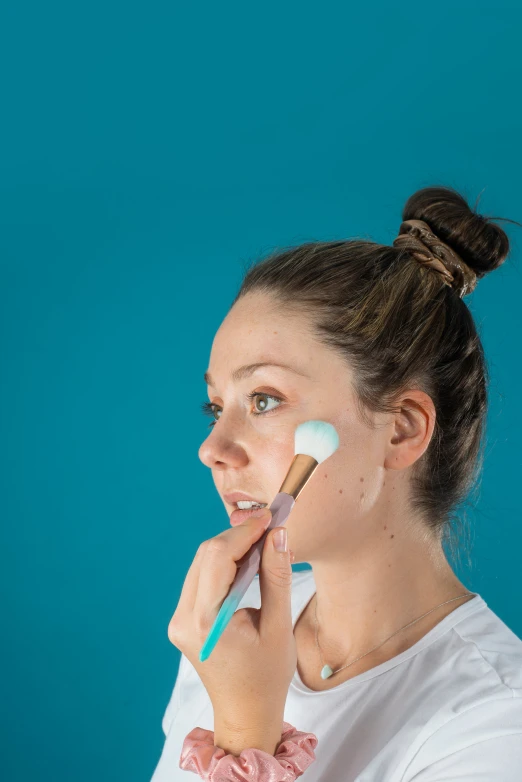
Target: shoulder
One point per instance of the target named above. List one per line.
(496, 646)
(477, 732)
(481, 742)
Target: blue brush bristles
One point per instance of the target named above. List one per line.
(318, 439)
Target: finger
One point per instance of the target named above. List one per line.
(180, 617)
(219, 566)
(189, 590)
(190, 585)
(275, 581)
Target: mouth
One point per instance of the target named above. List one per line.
(242, 506)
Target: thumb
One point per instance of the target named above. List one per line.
(275, 581)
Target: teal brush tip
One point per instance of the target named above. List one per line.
(226, 612)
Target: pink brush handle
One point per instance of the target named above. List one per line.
(280, 507)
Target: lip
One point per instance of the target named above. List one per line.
(239, 516)
(239, 495)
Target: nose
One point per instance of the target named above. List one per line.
(222, 450)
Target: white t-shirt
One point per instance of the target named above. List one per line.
(448, 708)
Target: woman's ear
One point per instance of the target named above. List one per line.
(411, 430)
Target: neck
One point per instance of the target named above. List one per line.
(366, 595)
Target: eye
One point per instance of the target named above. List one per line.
(266, 396)
(209, 408)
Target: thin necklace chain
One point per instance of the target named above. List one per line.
(467, 594)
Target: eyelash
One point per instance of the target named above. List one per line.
(207, 408)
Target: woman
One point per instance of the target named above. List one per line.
(426, 681)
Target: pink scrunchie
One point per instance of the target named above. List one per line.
(294, 754)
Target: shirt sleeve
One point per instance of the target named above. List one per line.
(480, 744)
(174, 704)
(498, 759)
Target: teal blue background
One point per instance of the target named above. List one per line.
(148, 153)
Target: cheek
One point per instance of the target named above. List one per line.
(336, 481)
(332, 490)
(344, 484)
(273, 461)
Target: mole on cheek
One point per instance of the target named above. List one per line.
(340, 491)
(392, 536)
(362, 480)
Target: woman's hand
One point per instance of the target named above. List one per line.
(249, 671)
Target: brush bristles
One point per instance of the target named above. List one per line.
(318, 439)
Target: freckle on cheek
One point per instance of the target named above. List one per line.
(362, 495)
(392, 536)
(340, 491)
(362, 480)
(385, 526)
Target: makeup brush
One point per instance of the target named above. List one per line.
(314, 441)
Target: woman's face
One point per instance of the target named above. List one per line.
(251, 445)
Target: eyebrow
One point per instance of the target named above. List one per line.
(248, 369)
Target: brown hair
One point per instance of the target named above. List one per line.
(399, 326)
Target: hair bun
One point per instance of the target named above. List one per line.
(481, 244)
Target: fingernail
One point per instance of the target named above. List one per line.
(280, 539)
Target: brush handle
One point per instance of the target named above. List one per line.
(280, 507)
